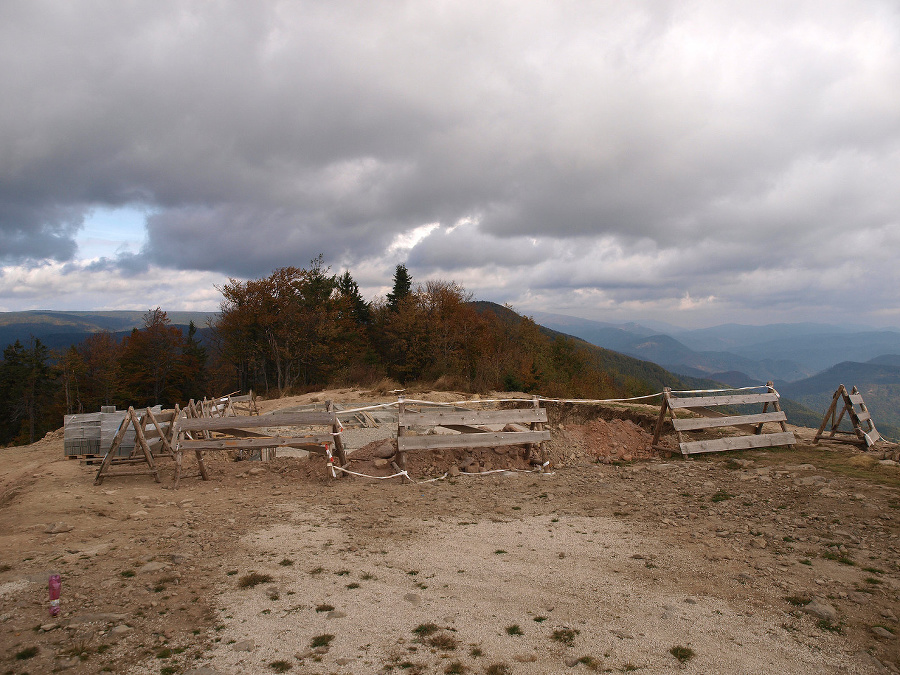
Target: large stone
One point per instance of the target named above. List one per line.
(244, 646)
(381, 463)
(384, 450)
(818, 607)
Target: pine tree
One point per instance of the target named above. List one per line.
(402, 287)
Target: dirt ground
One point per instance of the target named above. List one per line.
(618, 560)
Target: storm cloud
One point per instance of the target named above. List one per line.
(601, 157)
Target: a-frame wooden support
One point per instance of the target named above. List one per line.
(142, 453)
(864, 429)
(710, 419)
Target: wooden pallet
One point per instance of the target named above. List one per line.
(710, 418)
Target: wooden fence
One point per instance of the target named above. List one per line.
(864, 431)
(710, 418)
(474, 427)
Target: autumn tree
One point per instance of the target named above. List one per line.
(151, 361)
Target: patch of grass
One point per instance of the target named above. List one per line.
(324, 607)
(806, 561)
(825, 624)
(721, 496)
(443, 641)
(352, 585)
(844, 560)
(413, 573)
(540, 619)
(788, 539)
(231, 573)
(565, 635)
(367, 576)
(321, 640)
(317, 570)
(873, 570)
(127, 573)
(286, 562)
(274, 595)
(253, 579)
(590, 662)
(514, 630)
(5, 567)
(498, 669)
(27, 653)
(455, 668)
(683, 654)
(797, 600)
(873, 581)
(164, 653)
(499, 551)
(628, 667)
(426, 629)
(475, 652)
(280, 666)
(168, 670)
(343, 573)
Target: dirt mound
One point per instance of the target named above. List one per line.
(600, 440)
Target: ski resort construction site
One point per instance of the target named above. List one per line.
(557, 537)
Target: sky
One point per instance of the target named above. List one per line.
(690, 162)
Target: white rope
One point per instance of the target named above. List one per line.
(405, 474)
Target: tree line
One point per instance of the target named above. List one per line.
(156, 364)
(302, 328)
(296, 330)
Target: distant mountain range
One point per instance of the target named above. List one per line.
(807, 362)
(59, 330)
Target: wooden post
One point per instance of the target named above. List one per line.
(113, 448)
(401, 431)
(336, 434)
(661, 420)
(539, 426)
(141, 441)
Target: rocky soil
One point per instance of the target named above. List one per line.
(778, 561)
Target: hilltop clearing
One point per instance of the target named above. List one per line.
(778, 561)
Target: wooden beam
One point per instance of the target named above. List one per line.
(735, 399)
(442, 418)
(727, 421)
(485, 440)
(256, 421)
(250, 443)
(738, 443)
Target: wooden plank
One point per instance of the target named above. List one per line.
(486, 440)
(256, 421)
(250, 443)
(872, 437)
(738, 443)
(863, 416)
(736, 420)
(441, 418)
(465, 429)
(734, 399)
(856, 399)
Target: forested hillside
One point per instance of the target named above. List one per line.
(305, 328)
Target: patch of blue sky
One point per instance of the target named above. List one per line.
(110, 231)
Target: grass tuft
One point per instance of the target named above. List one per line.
(321, 640)
(565, 635)
(683, 654)
(253, 579)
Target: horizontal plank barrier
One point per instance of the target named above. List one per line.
(736, 399)
(487, 439)
(256, 421)
(472, 417)
(733, 421)
(251, 443)
(856, 399)
(738, 443)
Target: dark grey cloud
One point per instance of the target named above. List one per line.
(645, 150)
